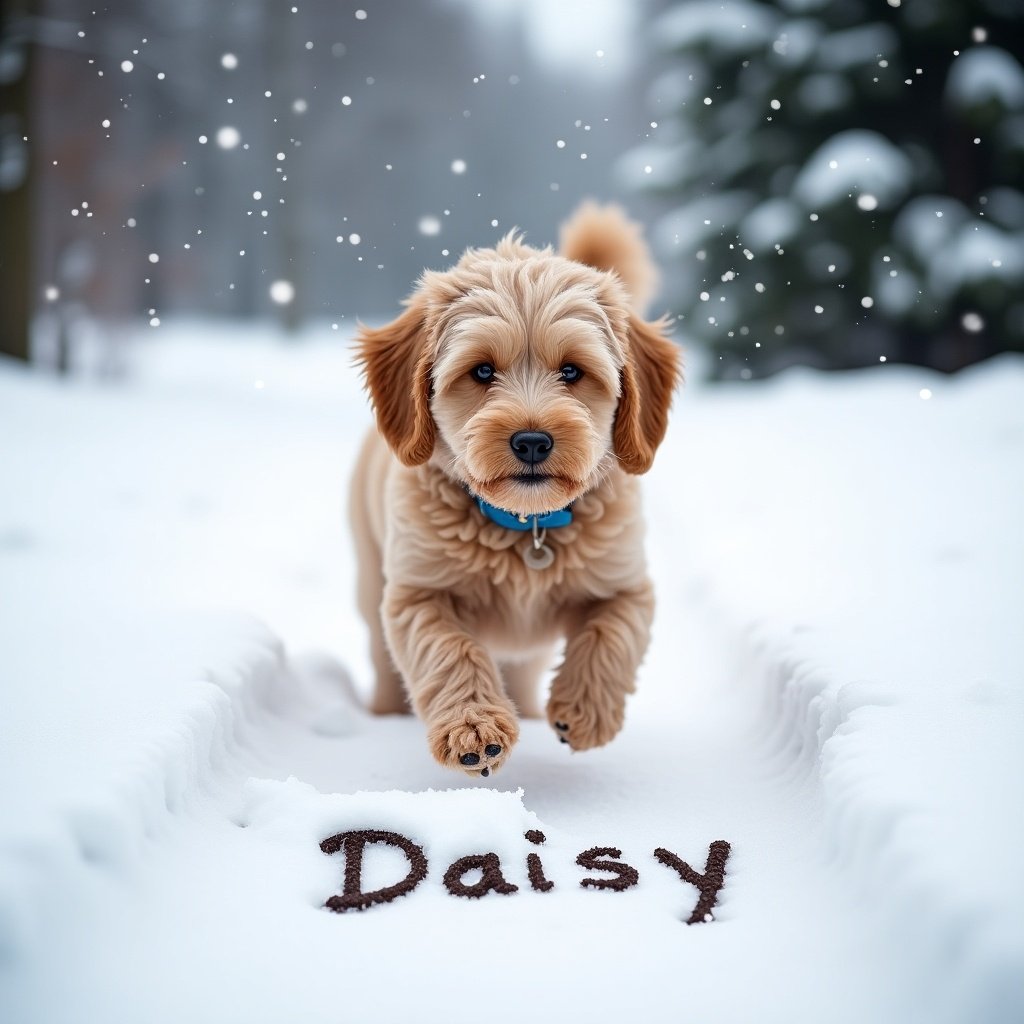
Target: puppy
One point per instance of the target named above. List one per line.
(497, 510)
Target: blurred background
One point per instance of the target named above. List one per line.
(835, 183)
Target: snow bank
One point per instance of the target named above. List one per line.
(97, 765)
(878, 568)
(135, 522)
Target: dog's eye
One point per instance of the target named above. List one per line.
(484, 373)
(570, 373)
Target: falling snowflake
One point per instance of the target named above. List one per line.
(228, 137)
(282, 292)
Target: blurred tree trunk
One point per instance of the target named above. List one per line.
(16, 52)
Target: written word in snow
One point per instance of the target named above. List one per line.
(603, 859)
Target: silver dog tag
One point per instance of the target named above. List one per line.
(538, 557)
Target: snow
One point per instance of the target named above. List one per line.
(979, 252)
(228, 137)
(853, 47)
(857, 160)
(821, 93)
(835, 688)
(428, 224)
(985, 74)
(701, 219)
(926, 224)
(956, 248)
(796, 42)
(802, 6)
(771, 222)
(729, 29)
(667, 163)
(937, 763)
(897, 294)
(678, 85)
(1006, 207)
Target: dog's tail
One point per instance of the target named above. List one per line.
(604, 237)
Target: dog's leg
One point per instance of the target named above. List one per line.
(522, 682)
(453, 682)
(389, 694)
(604, 650)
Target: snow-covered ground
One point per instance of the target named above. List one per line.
(835, 688)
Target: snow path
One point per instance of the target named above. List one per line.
(782, 708)
(248, 899)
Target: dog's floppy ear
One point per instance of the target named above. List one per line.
(649, 377)
(396, 369)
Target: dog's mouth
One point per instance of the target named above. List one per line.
(531, 478)
(528, 493)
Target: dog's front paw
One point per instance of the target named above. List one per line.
(586, 720)
(474, 737)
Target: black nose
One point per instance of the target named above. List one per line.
(531, 446)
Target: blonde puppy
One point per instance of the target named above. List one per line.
(497, 510)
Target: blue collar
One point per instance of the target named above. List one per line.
(548, 520)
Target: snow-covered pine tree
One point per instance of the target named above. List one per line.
(846, 179)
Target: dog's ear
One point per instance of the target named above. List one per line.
(396, 369)
(649, 377)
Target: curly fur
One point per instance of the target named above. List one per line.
(460, 627)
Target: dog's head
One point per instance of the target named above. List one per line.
(523, 374)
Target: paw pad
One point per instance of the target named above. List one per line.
(476, 739)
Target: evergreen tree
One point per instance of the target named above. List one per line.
(847, 179)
